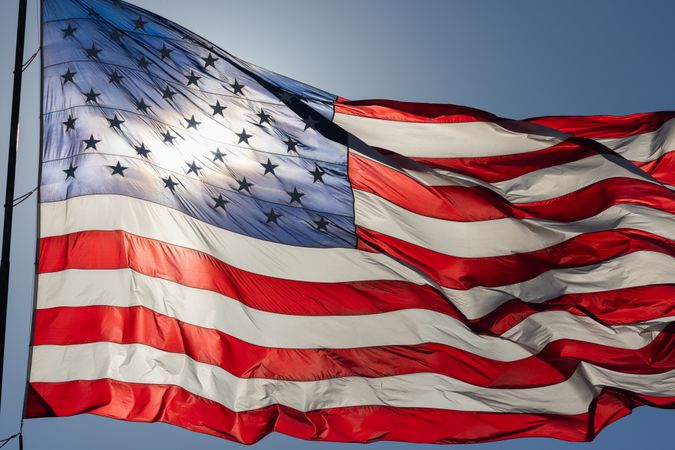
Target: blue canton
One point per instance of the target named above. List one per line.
(137, 106)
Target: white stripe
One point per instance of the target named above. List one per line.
(124, 288)
(253, 255)
(644, 147)
(498, 237)
(641, 268)
(662, 384)
(450, 140)
(540, 329)
(542, 184)
(141, 364)
(556, 181)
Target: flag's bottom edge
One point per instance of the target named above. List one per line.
(176, 406)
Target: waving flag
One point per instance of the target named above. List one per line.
(234, 252)
(647, 140)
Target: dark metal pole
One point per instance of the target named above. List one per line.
(11, 175)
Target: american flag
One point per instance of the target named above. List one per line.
(234, 252)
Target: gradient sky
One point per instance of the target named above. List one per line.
(516, 59)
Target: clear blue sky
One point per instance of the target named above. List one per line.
(516, 58)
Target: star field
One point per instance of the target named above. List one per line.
(134, 106)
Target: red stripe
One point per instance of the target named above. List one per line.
(174, 405)
(465, 273)
(656, 357)
(616, 307)
(64, 326)
(118, 249)
(138, 325)
(597, 127)
(460, 203)
(493, 169)
(443, 202)
(663, 168)
(412, 112)
(499, 168)
(594, 199)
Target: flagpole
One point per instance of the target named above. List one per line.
(11, 175)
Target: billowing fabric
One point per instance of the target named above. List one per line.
(236, 253)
